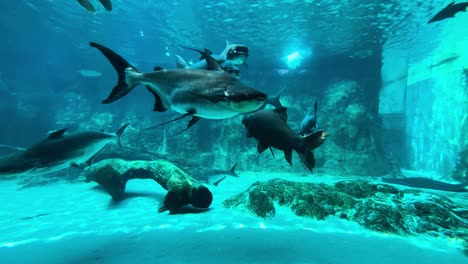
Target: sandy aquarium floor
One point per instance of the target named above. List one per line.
(77, 223)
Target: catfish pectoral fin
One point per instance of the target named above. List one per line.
(170, 121)
(192, 122)
(261, 147)
(272, 153)
(288, 156)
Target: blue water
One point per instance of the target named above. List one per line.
(413, 76)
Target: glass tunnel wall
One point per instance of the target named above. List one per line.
(424, 98)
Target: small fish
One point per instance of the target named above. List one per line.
(89, 73)
(270, 129)
(214, 177)
(309, 123)
(449, 11)
(107, 4)
(58, 151)
(31, 217)
(428, 183)
(445, 61)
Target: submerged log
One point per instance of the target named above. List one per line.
(113, 174)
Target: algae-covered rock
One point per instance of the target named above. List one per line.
(378, 207)
(261, 204)
(113, 174)
(362, 189)
(379, 216)
(325, 203)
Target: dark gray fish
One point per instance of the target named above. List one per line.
(31, 217)
(309, 123)
(214, 177)
(270, 129)
(237, 54)
(428, 183)
(58, 151)
(195, 93)
(445, 61)
(449, 11)
(107, 4)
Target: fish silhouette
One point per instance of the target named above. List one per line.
(449, 11)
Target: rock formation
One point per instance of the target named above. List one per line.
(378, 207)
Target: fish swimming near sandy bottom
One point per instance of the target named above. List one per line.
(58, 151)
(449, 11)
(198, 93)
(215, 177)
(107, 4)
(428, 183)
(270, 129)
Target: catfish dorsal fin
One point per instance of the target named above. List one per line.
(282, 112)
(56, 134)
(212, 64)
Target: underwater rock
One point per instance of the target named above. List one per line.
(351, 147)
(113, 174)
(378, 207)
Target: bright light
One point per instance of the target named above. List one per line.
(294, 60)
(299, 53)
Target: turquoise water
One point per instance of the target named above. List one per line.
(392, 97)
(91, 229)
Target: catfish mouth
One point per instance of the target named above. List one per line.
(238, 54)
